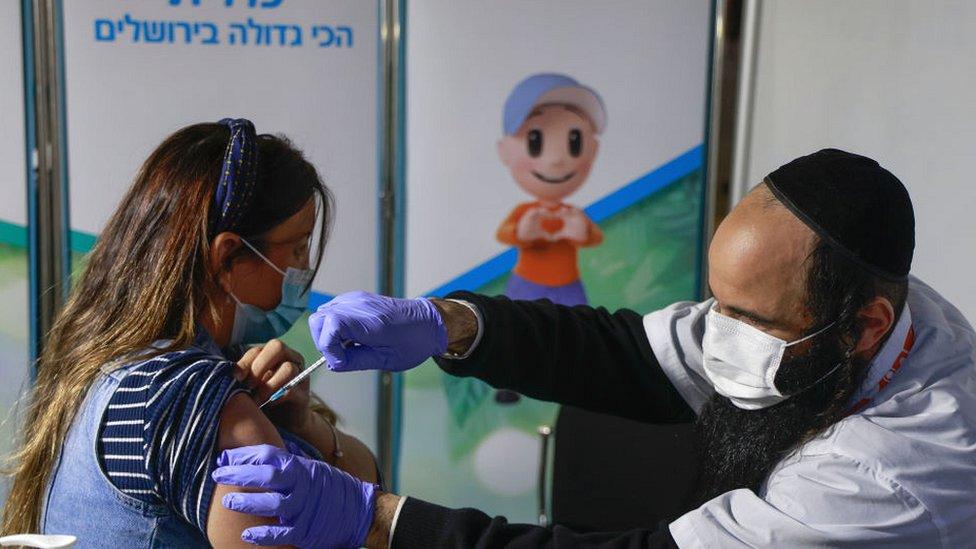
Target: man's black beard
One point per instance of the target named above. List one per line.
(740, 447)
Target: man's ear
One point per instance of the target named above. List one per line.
(223, 247)
(876, 319)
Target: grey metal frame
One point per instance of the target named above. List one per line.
(391, 16)
(742, 140)
(50, 240)
(712, 128)
(723, 112)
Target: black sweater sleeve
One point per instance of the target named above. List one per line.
(425, 525)
(581, 356)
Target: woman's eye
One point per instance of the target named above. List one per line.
(575, 142)
(301, 251)
(535, 143)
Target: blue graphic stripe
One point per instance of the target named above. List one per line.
(480, 275)
(646, 185)
(318, 299)
(600, 210)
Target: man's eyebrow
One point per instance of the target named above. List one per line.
(752, 316)
(535, 112)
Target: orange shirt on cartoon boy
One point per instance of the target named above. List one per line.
(551, 123)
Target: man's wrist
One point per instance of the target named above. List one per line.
(384, 511)
(461, 324)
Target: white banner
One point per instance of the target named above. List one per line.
(646, 59)
(14, 322)
(137, 70)
(13, 187)
(627, 195)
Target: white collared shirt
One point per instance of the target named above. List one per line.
(901, 472)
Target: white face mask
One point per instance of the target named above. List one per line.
(741, 361)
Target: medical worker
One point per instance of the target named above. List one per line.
(834, 394)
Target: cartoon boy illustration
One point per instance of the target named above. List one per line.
(551, 123)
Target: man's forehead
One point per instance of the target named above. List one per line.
(758, 257)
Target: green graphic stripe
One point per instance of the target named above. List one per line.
(13, 234)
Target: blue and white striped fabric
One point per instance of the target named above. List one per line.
(158, 436)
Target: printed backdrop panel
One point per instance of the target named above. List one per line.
(137, 70)
(14, 326)
(561, 140)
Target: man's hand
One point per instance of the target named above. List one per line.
(266, 368)
(316, 504)
(364, 331)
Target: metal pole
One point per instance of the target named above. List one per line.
(390, 14)
(545, 434)
(713, 127)
(49, 238)
(723, 86)
(743, 117)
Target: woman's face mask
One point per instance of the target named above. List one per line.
(255, 325)
(742, 361)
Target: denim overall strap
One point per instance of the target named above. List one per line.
(83, 502)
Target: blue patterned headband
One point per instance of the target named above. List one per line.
(237, 178)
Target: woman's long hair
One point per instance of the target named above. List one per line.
(148, 278)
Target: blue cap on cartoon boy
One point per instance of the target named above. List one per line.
(547, 88)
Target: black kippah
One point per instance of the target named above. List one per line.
(853, 204)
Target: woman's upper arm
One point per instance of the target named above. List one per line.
(357, 459)
(241, 424)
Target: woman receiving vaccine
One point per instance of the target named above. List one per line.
(142, 382)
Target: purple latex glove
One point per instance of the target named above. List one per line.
(364, 331)
(316, 504)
